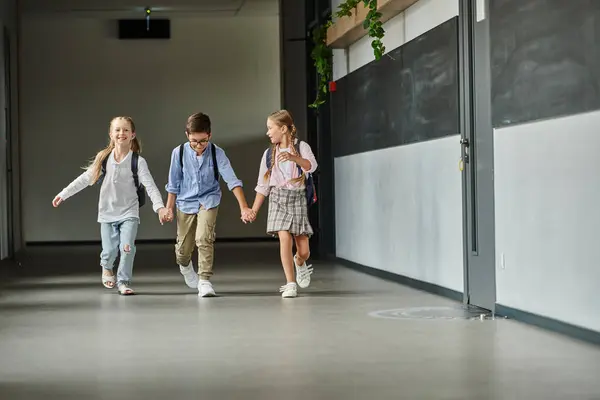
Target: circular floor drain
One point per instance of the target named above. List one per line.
(467, 313)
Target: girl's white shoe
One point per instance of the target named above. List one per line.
(303, 273)
(289, 290)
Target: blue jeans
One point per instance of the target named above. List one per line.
(119, 237)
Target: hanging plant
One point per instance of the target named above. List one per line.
(322, 53)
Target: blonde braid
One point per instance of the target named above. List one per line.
(268, 173)
(293, 131)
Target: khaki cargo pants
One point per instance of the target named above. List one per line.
(199, 230)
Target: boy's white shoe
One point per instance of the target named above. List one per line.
(289, 290)
(205, 289)
(303, 273)
(190, 276)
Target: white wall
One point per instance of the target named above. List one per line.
(399, 209)
(548, 218)
(76, 75)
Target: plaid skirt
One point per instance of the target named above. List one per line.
(288, 212)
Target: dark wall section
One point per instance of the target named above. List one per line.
(321, 216)
(299, 78)
(545, 59)
(293, 61)
(409, 96)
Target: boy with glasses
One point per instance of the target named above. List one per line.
(194, 187)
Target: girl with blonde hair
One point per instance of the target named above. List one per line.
(124, 176)
(284, 177)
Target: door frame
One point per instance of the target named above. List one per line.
(318, 124)
(477, 155)
(6, 181)
(9, 140)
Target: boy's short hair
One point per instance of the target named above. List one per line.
(198, 123)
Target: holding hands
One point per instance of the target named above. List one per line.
(165, 215)
(248, 215)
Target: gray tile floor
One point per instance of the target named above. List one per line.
(63, 336)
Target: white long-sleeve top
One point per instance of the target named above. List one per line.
(118, 196)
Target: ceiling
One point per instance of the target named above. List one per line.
(166, 8)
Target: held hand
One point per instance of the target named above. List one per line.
(56, 202)
(163, 215)
(245, 216)
(170, 214)
(248, 215)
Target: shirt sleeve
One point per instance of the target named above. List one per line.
(226, 170)
(147, 180)
(80, 183)
(307, 153)
(175, 173)
(262, 185)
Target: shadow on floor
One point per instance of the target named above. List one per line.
(62, 260)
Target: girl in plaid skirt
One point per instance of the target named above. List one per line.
(282, 177)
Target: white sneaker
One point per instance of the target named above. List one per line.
(190, 276)
(289, 290)
(303, 273)
(205, 289)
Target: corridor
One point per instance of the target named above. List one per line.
(63, 336)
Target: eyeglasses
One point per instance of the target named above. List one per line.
(195, 143)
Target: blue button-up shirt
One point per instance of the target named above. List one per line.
(196, 186)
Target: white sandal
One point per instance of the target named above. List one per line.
(125, 290)
(108, 281)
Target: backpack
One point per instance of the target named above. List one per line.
(141, 191)
(311, 191)
(214, 159)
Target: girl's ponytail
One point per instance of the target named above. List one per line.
(96, 164)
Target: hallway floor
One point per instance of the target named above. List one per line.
(64, 336)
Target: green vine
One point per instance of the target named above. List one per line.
(322, 54)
